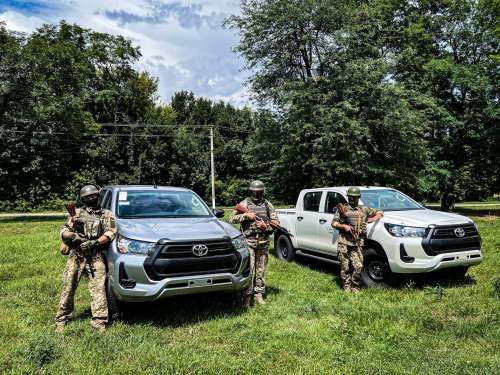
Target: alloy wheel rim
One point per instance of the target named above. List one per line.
(377, 270)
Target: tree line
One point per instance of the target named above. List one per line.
(384, 92)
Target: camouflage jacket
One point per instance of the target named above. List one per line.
(248, 227)
(357, 218)
(91, 224)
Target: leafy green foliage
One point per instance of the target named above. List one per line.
(386, 92)
(390, 92)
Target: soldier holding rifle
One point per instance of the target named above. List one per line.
(86, 233)
(350, 220)
(258, 220)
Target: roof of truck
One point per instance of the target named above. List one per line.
(145, 187)
(344, 188)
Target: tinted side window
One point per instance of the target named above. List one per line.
(312, 200)
(106, 202)
(102, 194)
(332, 199)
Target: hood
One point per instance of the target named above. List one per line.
(423, 218)
(154, 229)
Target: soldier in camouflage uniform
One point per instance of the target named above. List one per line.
(352, 227)
(86, 234)
(257, 236)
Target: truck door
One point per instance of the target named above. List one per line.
(307, 220)
(327, 236)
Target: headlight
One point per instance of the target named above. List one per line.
(402, 231)
(126, 245)
(239, 243)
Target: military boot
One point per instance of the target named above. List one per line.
(259, 299)
(60, 327)
(99, 327)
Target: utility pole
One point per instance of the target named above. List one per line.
(212, 164)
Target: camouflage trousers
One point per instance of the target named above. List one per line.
(259, 253)
(76, 266)
(351, 265)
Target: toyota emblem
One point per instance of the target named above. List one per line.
(459, 232)
(200, 250)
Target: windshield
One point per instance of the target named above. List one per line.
(160, 203)
(388, 200)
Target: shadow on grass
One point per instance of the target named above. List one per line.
(442, 278)
(180, 311)
(435, 279)
(324, 267)
(477, 212)
(31, 218)
(472, 211)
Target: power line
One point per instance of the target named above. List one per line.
(177, 126)
(106, 134)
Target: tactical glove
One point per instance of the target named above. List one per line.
(76, 239)
(88, 246)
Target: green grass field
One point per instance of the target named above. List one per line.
(309, 325)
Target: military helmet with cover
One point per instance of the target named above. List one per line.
(88, 190)
(257, 185)
(354, 191)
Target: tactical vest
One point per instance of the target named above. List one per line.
(90, 223)
(356, 219)
(249, 228)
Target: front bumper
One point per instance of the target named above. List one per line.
(141, 288)
(407, 255)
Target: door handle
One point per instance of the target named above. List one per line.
(322, 221)
(300, 218)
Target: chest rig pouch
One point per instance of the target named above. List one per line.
(91, 224)
(355, 218)
(250, 229)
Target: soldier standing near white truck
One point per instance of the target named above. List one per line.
(408, 239)
(350, 220)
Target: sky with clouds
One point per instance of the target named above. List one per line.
(182, 41)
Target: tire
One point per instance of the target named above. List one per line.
(284, 249)
(114, 309)
(238, 299)
(376, 271)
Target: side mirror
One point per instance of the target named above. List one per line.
(218, 212)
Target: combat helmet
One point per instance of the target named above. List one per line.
(88, 190)
(257, 185)
(354, 191)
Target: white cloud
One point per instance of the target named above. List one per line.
(182, 42)
(20, 22)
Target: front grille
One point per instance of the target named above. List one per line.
(184, 250)
(442, 239)
(176, 258)
(449, 232)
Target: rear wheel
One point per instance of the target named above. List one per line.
(284, 248)
(376, 271)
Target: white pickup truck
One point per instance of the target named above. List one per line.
(408, 239)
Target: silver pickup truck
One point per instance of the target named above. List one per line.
(170, 242)
(408, 239)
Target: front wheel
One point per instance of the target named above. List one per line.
(284, 248)
(376, 271)
(115, 311)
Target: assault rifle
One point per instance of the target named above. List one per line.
(78, 228)
(242, 210)
(343, 215)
